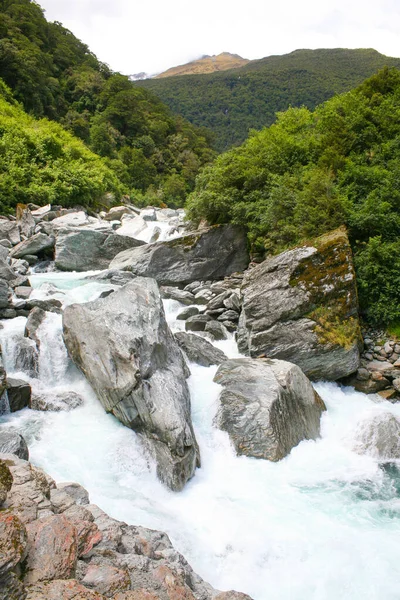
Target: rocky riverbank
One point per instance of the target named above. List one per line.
(294, 316)
(55, 545)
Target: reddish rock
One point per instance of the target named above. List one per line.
(62, 590)
(52, 549)
(231, 595)
(13, 541)
(174, 585)
(88, 533)
(106, 579)
(141, 594)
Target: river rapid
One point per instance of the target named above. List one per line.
(322, 524)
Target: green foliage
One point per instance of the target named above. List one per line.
(311, 172)
(54, 75)
(231, 103)
(42, 163)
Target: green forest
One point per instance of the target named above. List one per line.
(311, 172)
(154, 154)
(233, 102)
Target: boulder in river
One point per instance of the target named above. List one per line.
(301, 306)
(11, 442)
(87, 249)
(124, 347)
(199, 350)
(267, 406)
(207, 254)
(19, 393)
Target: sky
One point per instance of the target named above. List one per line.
(132, 36)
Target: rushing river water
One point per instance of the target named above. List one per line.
(322, 524)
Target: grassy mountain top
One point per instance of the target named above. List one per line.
(233, 102)
(312, 172)
(206, 64)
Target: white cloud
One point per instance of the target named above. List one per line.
(152, 36)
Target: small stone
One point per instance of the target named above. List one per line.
(368, 342)
(23, 292)
(369, 356)
(397, 348)
(362, 374)
(192, 286)
(229, 315)
(388, 348)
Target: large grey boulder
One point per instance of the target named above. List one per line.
(199, 350)
(301, 306)
(36, 245)
(87, 249)
(267, 406)
(204, 255)
(19, 393)
(125, 349)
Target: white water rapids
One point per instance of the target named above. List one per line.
(322, 524)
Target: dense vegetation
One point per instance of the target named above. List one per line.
(233, 102)
(314, 171)
(42, 163)
(154, 154)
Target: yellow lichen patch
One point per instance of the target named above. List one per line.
(332, 329)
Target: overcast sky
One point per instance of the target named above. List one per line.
(153, 35)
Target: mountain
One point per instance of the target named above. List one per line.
(54, 75)
(206, 64)
(230, 103)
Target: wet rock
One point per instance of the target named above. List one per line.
(191, 257)
(174, 293)
(35, 319)
(86, 250)
(19, 393)
(52, 549)
(301, 306)
(199, 350)
(267, 406)
(379, 436)
(141, 375)
(56, 401)
(188, 312)
(26, 357)
(217, 330)
(37, 244)
(12, 442)
(197, 322)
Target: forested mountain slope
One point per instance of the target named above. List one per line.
(233, 102)
(54, 75)
(312, 172)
